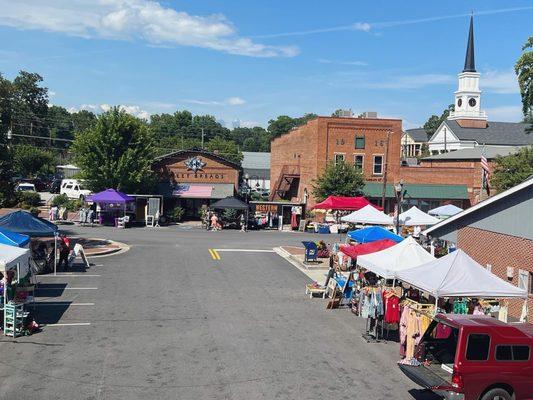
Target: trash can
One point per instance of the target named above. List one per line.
(311, 251)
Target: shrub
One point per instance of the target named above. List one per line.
(60, 200)
(176, 214)
(28, 199)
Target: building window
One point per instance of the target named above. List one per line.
(359, 142)
(358, 160)
(339, 158)
(378, 165)
(523, 280)
(531, 283)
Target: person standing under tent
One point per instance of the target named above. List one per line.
(64, 250)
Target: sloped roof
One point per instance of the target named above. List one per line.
(474, 153)
(230, 202)
(205, 153)
(418, 134)
(255, 160)
(502, 133)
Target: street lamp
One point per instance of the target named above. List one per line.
(398, 193)
(246, 187)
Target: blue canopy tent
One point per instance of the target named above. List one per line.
(13, 239)
(27, 224)
(373, 233)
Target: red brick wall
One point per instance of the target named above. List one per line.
(500, 251)
(311, 147)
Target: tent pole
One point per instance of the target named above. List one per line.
(55, 254)
(394, 283)
(436, 305)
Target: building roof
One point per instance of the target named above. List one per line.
(202, 152)
(470, 65)
(418, 191)
(496, 133)
(255, 160)
(475, 153)
(418, 134)
(496, 198)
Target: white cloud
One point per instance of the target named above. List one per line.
(505, 113)
(145, 20)
(99, 108)
(504, 82)
(230, 101)
(362, 26)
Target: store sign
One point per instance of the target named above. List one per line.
(195, 164)
(272, 208)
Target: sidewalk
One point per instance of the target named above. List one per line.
(295, 255)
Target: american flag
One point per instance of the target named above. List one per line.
(486, 171)
(193, 191)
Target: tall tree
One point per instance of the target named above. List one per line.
(82, 120)
(284, 123)
(524, 71)
(226, 148)
(340, 179)
(6, 161)
(29, 161)
(59, 122)
(434, 121)
(116, 153)
(513, 169)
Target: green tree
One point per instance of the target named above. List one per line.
(284, 123)
(524, 71)
(252, 139)
(30, 161)
(513, 169)
(225, 148)
(60, 125)
(6, 161)
(82, 120)
(434, 121)
(340, 179)
(116, 153)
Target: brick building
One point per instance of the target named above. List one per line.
(497, 233)
(301, 155)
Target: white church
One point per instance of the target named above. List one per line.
(468, 127)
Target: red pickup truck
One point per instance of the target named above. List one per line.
(465, 357)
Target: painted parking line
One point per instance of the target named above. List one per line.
(244, 250)
(67, 288)
(69, 324)
(214, 254)
(61, 304)
(67, 275)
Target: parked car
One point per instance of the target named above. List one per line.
(74, 189)
(465, 357)
(25, 187)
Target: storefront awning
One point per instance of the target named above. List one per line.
(418, 191)
(203, 190)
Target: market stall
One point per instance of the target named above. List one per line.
(10, 238)
(14, 287)
(446, 211)
(373, 233)
(24, 223)
(353, 251)
(416, 217)
(231, 203)
(368, 215)
(344, 203)
(111, 205)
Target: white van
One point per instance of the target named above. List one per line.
(74, 189)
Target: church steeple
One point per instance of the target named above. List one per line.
(470, 64)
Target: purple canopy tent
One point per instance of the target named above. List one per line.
(110, 197)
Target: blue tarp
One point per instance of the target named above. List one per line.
(373, 233)
(13, 238)
(25, 223)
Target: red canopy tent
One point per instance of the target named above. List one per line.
(344, 203)
(366, 248)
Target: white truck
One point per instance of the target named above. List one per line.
(74, 189)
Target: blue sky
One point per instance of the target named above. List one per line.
(255, 60)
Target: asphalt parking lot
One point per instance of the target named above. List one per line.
(165, 320)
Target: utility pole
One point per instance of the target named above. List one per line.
(202, 138)
(385, 161)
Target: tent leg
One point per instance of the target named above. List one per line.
(436, 305)
(394, 283)
(55, 254)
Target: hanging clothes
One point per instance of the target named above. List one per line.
(392, 308)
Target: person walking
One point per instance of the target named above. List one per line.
(64, 250)
(243, 222)
(214, 222)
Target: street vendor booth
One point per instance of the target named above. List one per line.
(112, 205)
(10, 238)
(373, 233)
(416, 217)
(368, 215)
(344, 203)
(354, 251)
(446, 211)
(15, 287)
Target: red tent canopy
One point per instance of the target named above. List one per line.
(366, 248)
(344, 203)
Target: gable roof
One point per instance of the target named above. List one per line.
(418, 134)
(500, 196)
(205, 153)
(496, 133)
(474, 153)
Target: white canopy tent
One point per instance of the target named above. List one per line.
(416, 217)
(445, 211)
(458, 275)
(389, 262)
(368, 215)
(11, 256)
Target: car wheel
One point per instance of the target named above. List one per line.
(497, 394)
